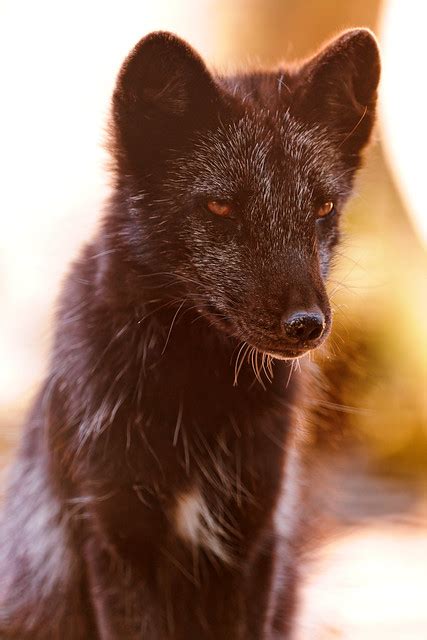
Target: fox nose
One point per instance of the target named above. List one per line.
(304, 326)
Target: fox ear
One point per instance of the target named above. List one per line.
(338, 89)
(163, 92)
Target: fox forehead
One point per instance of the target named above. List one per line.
(267, 156)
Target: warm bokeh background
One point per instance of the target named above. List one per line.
(58, 62)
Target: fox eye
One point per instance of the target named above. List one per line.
(220, 208)
(326, 209)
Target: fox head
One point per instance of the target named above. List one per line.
(234, 186)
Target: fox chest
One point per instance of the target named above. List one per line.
(210, 493)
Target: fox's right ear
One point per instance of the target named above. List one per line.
(163, 93)
(338, 89)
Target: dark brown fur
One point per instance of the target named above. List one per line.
(158, 492)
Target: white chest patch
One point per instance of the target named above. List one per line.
(198, 526)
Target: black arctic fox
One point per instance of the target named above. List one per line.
(158, 491)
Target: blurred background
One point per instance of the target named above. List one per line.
(58, 63)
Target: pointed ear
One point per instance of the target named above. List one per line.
(163, 92)
(338, 89)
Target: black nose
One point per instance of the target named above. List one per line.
(304, 326)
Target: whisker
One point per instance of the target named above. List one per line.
(172, 324)
(239, 360)
(178, 424)
(290, 373)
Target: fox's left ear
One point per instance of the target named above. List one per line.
(337, 88)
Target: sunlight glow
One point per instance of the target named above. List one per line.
(404, 101)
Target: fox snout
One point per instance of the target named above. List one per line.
(287, 319)
(304, 327)
(301, 328)
(305, 319)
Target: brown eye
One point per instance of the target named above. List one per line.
(220, 208)
(325, 209)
